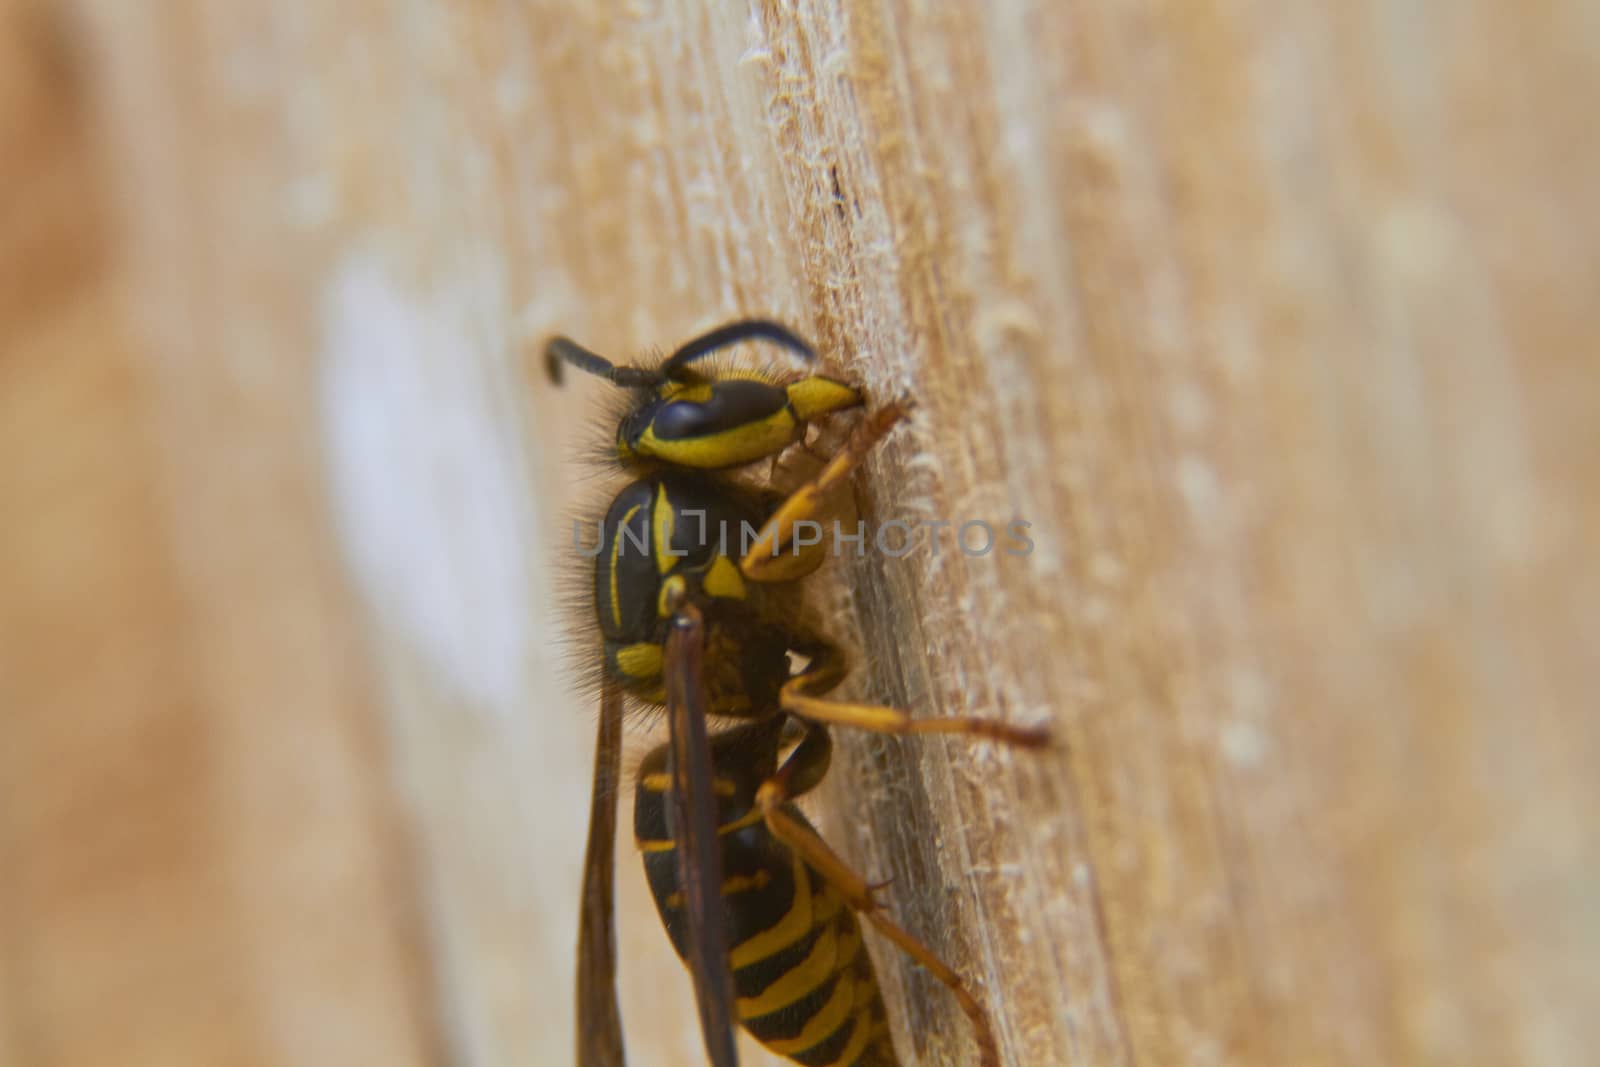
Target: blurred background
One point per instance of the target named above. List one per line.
(1286, 317)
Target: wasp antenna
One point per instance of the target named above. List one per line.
(561, 350)
(731, 334)
(552, 366)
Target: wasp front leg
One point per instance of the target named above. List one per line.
(775, 556)
(801, 696)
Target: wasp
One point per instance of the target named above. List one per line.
(758, 905)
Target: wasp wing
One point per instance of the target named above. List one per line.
(693, 810)
(599, 1022)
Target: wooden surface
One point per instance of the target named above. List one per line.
(198, 843)
(1277, 322)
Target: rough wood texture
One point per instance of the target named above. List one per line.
(1276, 321)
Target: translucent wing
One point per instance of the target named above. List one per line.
(693, 811)
(599, 1023)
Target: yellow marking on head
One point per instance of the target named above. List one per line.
(824, 1024)
(801, 980)
(727, 448)
(723, 580)
(662, 528)
(616, 551)
(693, 392)
(794, 925)
(642, 660)
(858, 1041)
(814, 396)
(660, 782)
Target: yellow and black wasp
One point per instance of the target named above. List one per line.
(696, 606)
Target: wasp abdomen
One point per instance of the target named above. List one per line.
(804, 984)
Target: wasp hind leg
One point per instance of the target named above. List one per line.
(801, 696)
(800, 773)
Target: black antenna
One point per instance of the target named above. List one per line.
(565, 350)
(731, 334)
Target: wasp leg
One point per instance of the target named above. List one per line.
(800, 773)
(988, 1051)
(773, 557)
(801, 696)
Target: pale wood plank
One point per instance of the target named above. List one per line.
(1276, 321)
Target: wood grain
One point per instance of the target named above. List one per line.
(1275, 321)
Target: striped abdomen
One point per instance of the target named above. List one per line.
(804, 983)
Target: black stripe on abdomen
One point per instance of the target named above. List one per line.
(786, 1023)
(829, 1050)
(746, 913)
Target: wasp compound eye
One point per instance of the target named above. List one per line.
(724, 424)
